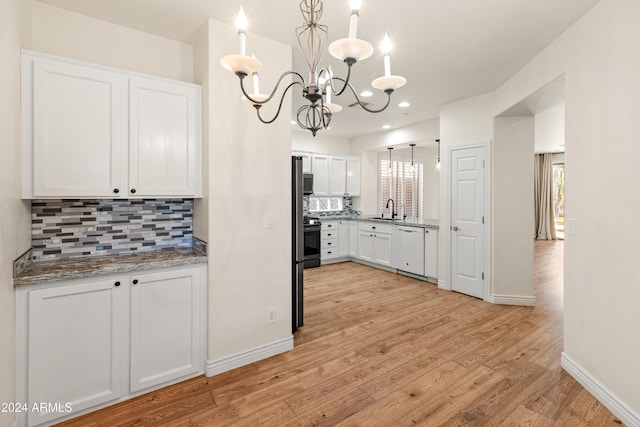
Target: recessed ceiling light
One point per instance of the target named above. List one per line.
(386, 126)
(366, 93)
(293, 122)
(404, 104)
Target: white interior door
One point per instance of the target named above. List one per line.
(467, 220)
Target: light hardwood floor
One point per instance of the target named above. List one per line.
(381, 349)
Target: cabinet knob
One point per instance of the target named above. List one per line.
(116, 190)
(117, 284)
(133, 191)
(329, 252)
(328, 234)
(135, 281)
(329, 243)
(373, 228)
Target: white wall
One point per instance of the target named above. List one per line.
(549, 132)
(60, 32)
(321, 143)
(600, 61)
(249, 180)
(15, 215)
(461, 122)
(512, 208)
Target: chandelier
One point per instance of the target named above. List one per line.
(321, 84)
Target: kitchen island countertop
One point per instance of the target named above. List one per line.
(415, 222)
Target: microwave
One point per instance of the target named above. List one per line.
(307, 183)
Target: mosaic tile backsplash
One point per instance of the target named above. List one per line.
(72, 228)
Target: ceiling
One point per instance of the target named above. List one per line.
(447, 49)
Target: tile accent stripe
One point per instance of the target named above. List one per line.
(72, 228)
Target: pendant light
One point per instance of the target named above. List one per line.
(412, 168)
(390, 168)
(438, 164)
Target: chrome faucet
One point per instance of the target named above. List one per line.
(393, 206)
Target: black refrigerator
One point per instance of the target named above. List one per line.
(297, 244)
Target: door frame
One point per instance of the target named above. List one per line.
(486, 262)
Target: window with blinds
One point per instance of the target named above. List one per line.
(403, 184)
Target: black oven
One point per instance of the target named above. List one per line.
(311, 243)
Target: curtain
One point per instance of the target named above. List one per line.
(545, 228)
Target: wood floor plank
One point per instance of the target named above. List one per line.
(382, 349)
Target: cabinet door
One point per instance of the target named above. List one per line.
(75, 346)
(337, 175)
(79, 131)
(353, 177)
(166, 339)
(365, 246)
(164, 138)
(343, 239)
(320, 170)
(353, 239)
(431, 253)
(383, 249)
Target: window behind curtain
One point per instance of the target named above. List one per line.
(403, 186)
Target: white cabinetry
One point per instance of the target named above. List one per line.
(163, 138)
(353, 177)
(306, 161)
(329, 244)
(431, 253)
(94, 132)
(320, 170)
(338, 176)
(343, 238)
(75, 341)
(166, 333)
(409, 249)
(375, 243)
(94, 341)
(353, 239)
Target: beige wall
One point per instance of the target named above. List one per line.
(15, 226)
(321, 143)
(249, 180)
(512, 208)
(600, 61)
(68, 34)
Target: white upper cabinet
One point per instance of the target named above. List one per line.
(163, 138)
(95, 132)
(320, 170)
(79, 131)
(353, 177)
(338, 174)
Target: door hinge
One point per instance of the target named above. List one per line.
(482, 276)
(483, 220)
(483, 165)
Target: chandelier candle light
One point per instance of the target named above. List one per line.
(312, 40)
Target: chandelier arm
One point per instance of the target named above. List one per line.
(360, 103)
(258, 105)
(345, 81)
(275, 89)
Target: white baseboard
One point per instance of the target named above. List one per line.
(227, 363)
(626, 414)
(512, 300)
(443, 284)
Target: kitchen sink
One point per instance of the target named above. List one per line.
(387, 218)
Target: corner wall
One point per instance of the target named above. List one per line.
(15, 215)
(247, 208)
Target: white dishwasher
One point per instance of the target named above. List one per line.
(408, 245)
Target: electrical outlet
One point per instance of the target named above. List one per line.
(271, 315)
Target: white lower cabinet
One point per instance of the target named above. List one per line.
(431, 253)
(343, 238)
(75, 346)
(375, 243)
(353, 239)
(84, 343)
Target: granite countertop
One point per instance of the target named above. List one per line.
(41, 272)
(415, 222)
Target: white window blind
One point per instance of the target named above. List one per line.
(403, 185)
